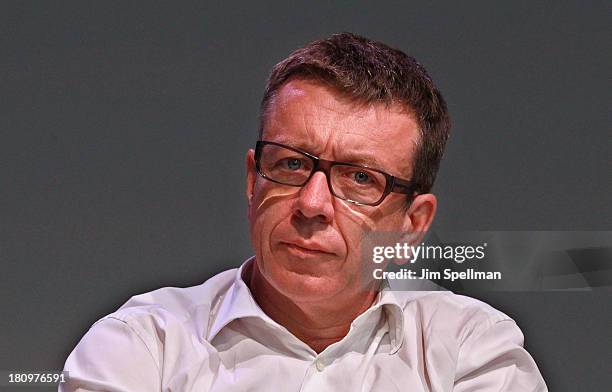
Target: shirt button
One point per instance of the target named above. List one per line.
(320, 364)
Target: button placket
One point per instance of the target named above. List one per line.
(320, 364)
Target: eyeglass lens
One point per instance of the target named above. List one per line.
(348, 182)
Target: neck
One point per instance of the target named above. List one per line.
(316, 323)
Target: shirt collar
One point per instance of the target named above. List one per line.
(239, 303)
(394, 313)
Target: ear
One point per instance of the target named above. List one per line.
(251, 173)
(419, 217)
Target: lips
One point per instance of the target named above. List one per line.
(307, 248)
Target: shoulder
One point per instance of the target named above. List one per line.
(471, 340)
(129, 348)
(451, 304)
(186, 308)
(465, 340)
(166, 315)
(443, 312)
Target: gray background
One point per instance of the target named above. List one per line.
(123, 129)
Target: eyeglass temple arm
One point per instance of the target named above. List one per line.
(403, 186)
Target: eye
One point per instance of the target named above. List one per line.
(361, 177)
(293, 164)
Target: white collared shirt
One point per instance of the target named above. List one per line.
(215, 337)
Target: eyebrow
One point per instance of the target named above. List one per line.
(352, 157)
(368, 159)
(356, 158)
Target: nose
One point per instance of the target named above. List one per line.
(315, 200)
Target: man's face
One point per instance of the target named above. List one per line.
(306, 241)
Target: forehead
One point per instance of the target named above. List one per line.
(316, 118)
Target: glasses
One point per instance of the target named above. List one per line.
(354, 183)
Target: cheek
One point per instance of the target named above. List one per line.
(354, 226)
(357, 225)
(389, 216)
(268, 207)
(267, 195)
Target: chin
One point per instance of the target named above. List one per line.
(308, 288)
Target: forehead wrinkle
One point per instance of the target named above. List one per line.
(302, 125)
(357, 148)
(327, 118)
(352, 151)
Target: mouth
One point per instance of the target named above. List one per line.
(306, 251)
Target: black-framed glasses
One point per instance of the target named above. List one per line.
(354, 183)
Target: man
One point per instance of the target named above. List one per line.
(351, 137)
